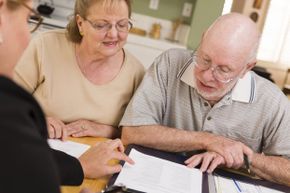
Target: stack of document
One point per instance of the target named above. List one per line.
(230, 185)
(154, 175)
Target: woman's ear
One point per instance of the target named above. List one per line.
(79, 21)
(1, 12)
(1, 4)
(1, 39)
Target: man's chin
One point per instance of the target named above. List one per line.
(207, 93)
(209, 96)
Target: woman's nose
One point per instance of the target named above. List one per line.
(113, 32)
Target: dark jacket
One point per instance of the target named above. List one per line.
(27, 164)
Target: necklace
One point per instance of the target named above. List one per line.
(80, 64)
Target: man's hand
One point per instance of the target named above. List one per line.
(95, 162)
(56, 128)
(232, 151)
(82, 128)
(209, 160)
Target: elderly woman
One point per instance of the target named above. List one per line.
(82, 77)
(27, 162)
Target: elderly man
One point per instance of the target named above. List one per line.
(210, 100)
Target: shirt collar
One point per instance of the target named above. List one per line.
(243, 91)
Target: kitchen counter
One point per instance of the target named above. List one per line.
(150, 42)
(147, 49)
(59, 22)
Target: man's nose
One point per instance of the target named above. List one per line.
(208, 74)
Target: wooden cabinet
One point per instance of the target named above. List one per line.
(255, 9)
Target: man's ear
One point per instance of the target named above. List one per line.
(249, 67)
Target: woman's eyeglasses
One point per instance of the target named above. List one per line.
(35, 19)
(102, 26)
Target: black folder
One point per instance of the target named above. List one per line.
(207, 181)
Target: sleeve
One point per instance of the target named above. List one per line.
(148, 103)
(276, 135)
(139, 76)
(26, 163)
(26, 156)
(70, 169)
(27, 72)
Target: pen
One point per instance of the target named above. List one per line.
(237, 185)
(247, 163)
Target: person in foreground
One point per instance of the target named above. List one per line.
(210, 100)
(27, 162)
(89, 56)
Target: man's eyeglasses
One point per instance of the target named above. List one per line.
(220, 73)
(102, 26)
(35, 19)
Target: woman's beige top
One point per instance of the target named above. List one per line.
(48, 69)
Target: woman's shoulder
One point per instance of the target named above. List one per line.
(52, 33)
(52, 36)
(51, 41)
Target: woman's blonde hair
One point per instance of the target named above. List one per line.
(81, 8)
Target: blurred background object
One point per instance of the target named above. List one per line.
(155, 31)
(175, 25)
(138, 31)
(45, 8)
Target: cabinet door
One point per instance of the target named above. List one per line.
(145, 54)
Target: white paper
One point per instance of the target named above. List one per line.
(227, 185)
(72, 148)
(268, 190)
(155, 175)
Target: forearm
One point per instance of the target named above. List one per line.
(272, 168)
(107, 131)
(164, 138)
(113, 132)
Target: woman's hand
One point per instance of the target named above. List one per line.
(209, 161)
(95, 162)
(82, 128)
(56, 128)
(86, 190)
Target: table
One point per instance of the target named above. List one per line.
(95, 185)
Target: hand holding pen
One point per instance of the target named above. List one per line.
(247, 163)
